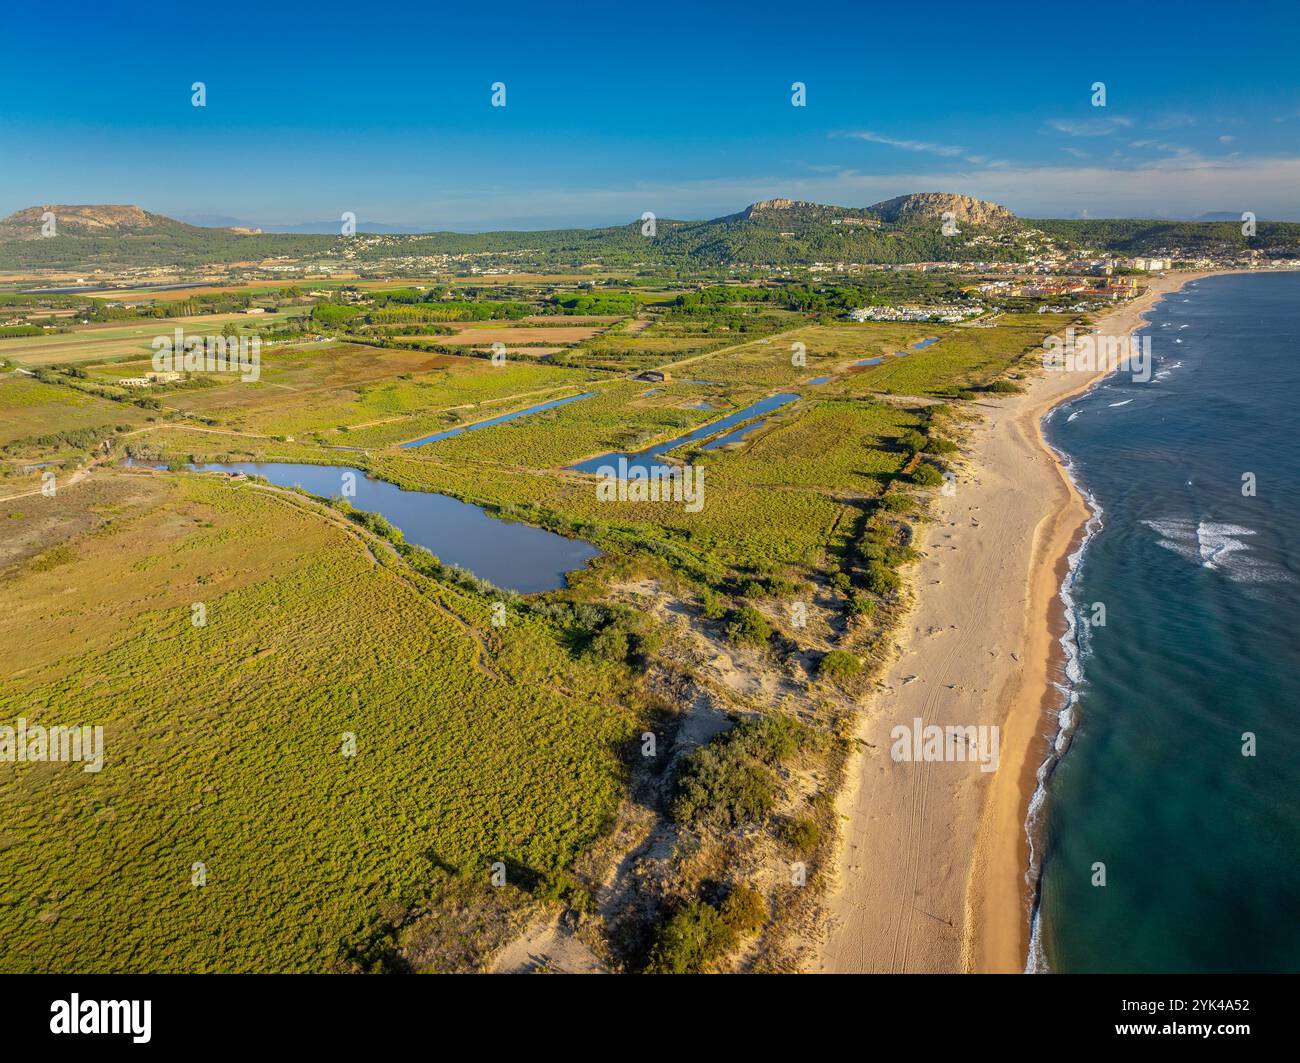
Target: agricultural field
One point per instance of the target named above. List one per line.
(966, 357)
(629, 351)
(385, 394)
(126, 341)
(961, 358)
(165, 294)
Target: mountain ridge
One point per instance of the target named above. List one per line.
(128, 219)
(772, 232)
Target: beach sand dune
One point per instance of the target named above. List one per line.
(931, 871)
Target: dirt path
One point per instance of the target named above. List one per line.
(197, 428)
(726, 350)
(74, 478)
(547, 944)
(368, 541)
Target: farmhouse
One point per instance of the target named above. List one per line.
(654, 376)
(147, 380)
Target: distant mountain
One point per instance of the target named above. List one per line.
(89, 221)
(333, 228)
(319, 228)
(218, 221)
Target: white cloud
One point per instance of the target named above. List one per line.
(949, 151)
(1091, 127)
(1171, 149)
(1175, 120)
(907, 145)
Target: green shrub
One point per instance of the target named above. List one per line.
(859, 606)
(610, 644)
(561, 887)
(881, 579)
(841, 582)
(744, 911)
(747, 625)
(730, 782)
(772, 739)
(721, 788)
(801, 834)
(837, 663)
(54, 557)
(713, 606)
(913, 440)
(696, 935)
(689, 940)
(645, 643)
(927, 475)
(782, 588)
(1004, 387)
(939, 445)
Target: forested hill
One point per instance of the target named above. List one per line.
(1127, 236)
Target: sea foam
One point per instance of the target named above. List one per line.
(1216, 546)
(1074, 646)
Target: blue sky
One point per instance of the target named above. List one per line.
(680, 109)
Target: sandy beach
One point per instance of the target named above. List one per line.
(931, 870)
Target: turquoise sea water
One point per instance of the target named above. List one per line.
(1201, 643)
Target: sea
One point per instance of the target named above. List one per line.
(1166, 828)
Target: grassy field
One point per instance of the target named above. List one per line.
(479, 336)
(774, 499)
(617, 417)
(32, 408)
(223, 742)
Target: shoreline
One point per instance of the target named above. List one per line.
(933, 866)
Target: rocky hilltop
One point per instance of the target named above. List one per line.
(919, 207)
(764, 205)
(91, 220)
(927, 205)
